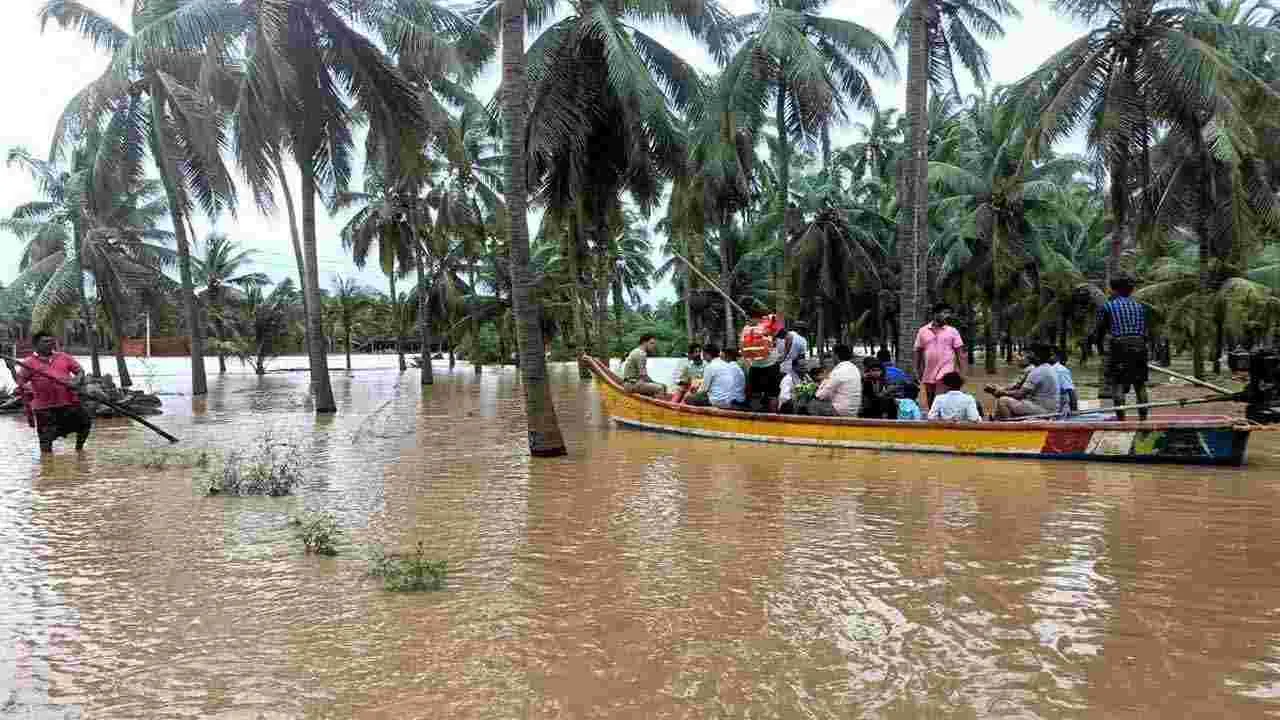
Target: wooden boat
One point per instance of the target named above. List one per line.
(1211, 440)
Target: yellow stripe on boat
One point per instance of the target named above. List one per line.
(633, 410)
(1215, 440)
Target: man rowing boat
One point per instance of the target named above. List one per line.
(57, 409)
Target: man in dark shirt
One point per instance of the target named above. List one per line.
(1125, 320)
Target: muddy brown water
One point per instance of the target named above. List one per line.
(644, 576)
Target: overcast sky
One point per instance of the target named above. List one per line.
(43, 70)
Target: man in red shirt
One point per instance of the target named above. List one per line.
(57, 408)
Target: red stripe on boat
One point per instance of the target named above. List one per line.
(1066, 441)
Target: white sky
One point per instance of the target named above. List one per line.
(46, 69)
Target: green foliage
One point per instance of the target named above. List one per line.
(161, 458)
(409, 573)
(319, 532)
(271, 468)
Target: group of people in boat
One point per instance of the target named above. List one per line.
(783, 378)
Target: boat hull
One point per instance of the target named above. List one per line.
(1214, 441)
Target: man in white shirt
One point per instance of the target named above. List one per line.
(724, 384)
(953, 405)
(793, 348)
(841, 393)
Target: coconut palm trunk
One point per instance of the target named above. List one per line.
(427, 377)
(346, 338)
(917, 207)
(544, 429)
(87, 311)
(298, 256)
(199, 383)
(688, 306)
(315, 319)
(476, 365)
(789, 303)
(395, 319)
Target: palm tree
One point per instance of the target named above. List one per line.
(814, 67)
(348, 303)
(1143, 64)
(179, 122)
(934, 33)
(93, 223)
(328, 61)
(378, 220)
(989, 191)
(544, 430)
(218, 269)
(266, 319)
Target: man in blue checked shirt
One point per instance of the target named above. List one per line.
(1125, 320)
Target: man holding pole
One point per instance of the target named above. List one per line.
(1125, 320)
(57, 408)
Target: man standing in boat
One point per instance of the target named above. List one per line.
(635, 372)
(1125, 320)
(939, 350)
(57, 408)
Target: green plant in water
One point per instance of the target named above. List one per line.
(160, 459)
(272, 468)
(409, 573)
(319, 532)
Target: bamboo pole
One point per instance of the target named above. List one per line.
(1226, 397)
(713, 285)
(1190, 379)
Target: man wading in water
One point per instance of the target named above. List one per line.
(57, 408)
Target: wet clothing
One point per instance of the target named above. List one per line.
(56, 422)
(45, 392)
(1127, 361)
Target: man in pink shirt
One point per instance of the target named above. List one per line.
(57, 408)
(939, 350)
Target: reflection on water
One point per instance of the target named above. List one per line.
(646, 575)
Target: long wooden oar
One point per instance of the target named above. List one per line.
(1226, 397)
(713, 285)
(127, 413)
(1188, 378)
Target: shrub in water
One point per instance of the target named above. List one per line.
(272, 468)
(319, 532)
(159, 459)
(407, 573)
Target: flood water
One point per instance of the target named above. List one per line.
(644, 576)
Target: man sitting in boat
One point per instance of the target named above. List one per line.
(841, 393)
(689, 374)
(1067, 400)
(1038, 395)
(954, 405)
(635, 372)
(879, 398)
(724, 384)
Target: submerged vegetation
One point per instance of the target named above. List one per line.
(270, 468)
(409, 572)
(319, 532)
(158, 458)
